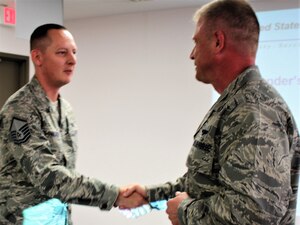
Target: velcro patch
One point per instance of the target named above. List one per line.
(19, 131)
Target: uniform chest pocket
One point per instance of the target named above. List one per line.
(54, 139)
(52, 134)
(201, 158)
(70, 138)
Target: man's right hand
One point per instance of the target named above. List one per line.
(138, 188)
(131, 196)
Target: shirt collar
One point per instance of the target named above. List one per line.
(39, 92)
(251, 73)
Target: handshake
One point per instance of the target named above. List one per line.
(132, 202)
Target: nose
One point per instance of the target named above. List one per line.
(72, 60)
(192, 55)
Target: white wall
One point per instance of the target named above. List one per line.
(33, 13)
(30, 14)
(9, 43)
(137, 102)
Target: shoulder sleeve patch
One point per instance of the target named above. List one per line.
(19, 131)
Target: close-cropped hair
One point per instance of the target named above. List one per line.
(235, 15)
(39, 35)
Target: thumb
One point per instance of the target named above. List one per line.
(177, 193)
(128, 191)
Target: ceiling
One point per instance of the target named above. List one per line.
(78, 9)
(75, 9)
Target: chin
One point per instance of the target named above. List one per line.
(202, 80)
(198, 78)
(64, 82)
(68, 79)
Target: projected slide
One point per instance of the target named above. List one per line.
(279, 58)
(279, 54)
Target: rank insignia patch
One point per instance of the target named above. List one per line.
(19, 131)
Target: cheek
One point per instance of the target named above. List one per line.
(198, 56)
(56, 64)
(53, 66)
(198, 51)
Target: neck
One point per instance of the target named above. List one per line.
(230, 72)
(52, 94)
(51, 91)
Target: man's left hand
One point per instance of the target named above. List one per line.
(173, 205)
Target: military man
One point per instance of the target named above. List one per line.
(243, 167)
(38, 138)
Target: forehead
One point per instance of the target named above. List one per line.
(61, 38)
(199, 29)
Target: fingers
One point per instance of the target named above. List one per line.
(173, 205)
(172, 212)
(129, 190)
(133, 201)
(173, 218)
(181, 194)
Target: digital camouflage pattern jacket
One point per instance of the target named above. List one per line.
(243, 167)
(37, 156)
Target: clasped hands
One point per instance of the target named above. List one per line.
(135, 195)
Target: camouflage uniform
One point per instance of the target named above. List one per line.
(243, 167)
(37, 156)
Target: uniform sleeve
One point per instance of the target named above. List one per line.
(167, 190)
(45, 167)
(255, 151)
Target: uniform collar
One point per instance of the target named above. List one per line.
(38, 92)
(250, 74)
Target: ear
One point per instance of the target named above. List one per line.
(219, 41)
(36, 57)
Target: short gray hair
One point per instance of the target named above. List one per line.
(235, 15)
